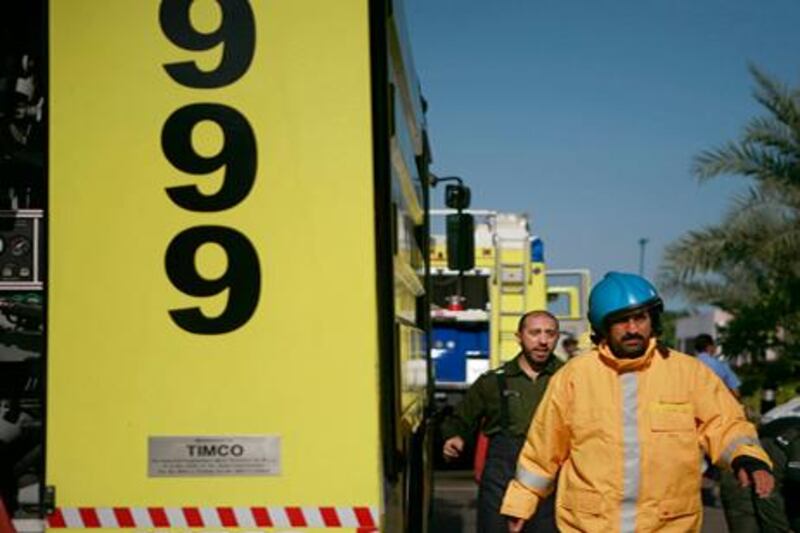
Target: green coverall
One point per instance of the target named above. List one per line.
(747, 513)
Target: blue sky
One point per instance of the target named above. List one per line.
(586, 115)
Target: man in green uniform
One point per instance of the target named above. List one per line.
(504, 400)
(780, 511)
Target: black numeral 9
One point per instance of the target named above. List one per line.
(242, 278)
(238, 156)
(236, 32)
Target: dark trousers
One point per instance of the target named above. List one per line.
(501, 465)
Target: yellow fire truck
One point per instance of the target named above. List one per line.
(475, 315)
(236, 299)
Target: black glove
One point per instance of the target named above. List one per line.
(749, 464)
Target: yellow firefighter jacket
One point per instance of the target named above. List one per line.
(627, 436)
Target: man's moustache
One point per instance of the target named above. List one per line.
(631, 336)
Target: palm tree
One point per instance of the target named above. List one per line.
(749, 264)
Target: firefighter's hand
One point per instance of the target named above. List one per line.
(453, 448)
(515, 525)
(752, 471)
(762, 481)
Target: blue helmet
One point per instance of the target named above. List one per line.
(619, 293)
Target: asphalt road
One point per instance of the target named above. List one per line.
(455, 496)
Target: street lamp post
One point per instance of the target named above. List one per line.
(642, 245)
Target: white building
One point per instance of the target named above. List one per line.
(709, 321)
(688, 328)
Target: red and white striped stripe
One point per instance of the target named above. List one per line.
(364, 518)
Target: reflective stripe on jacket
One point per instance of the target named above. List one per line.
(627, 436)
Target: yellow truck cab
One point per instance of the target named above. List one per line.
(568, 299)
(236, 304)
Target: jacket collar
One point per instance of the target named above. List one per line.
(627, 365)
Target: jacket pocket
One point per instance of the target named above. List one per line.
(671, 420)
(676, 507)
(584, 501)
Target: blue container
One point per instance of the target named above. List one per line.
(452, 345)
(537, 250)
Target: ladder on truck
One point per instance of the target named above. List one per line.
(512, 277)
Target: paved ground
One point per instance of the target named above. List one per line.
(454, 500)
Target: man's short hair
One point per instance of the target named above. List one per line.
(537, 313)
(702, 342)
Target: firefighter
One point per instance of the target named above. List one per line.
(620, 427)
(505, 400)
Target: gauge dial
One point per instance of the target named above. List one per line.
(20, 245)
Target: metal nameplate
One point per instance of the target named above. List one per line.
(214, 456)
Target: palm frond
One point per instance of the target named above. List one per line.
(697, 252)
(744, 159)
(777, 98)
(782, 192)
(772, 134)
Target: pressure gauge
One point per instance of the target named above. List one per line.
(20, 245)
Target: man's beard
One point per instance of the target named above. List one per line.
(534, 363)
(624, 351)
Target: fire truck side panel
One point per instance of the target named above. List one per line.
(408, 464)
(302, 367)
(408, 264)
